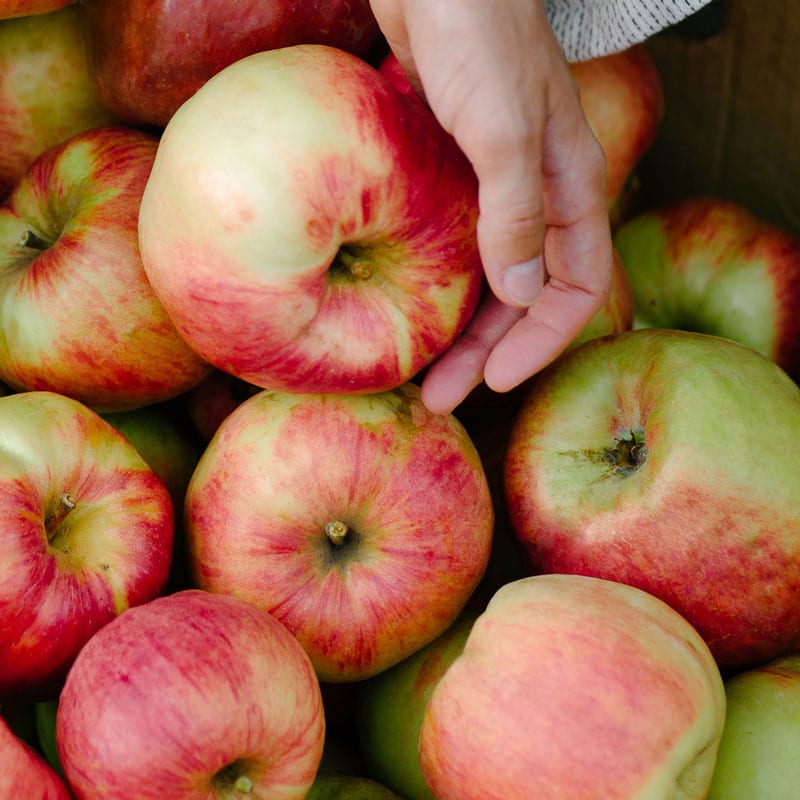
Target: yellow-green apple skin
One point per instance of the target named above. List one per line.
(46, 92)
(309, 227)
(147, 57)
(87, 533)
(571, 686)
(362, 522)
(759, 754)
(194, 696)
(349, 787)
(711, 265)
(24, 773)
(391, 707)
(77, 313)
(663, 459)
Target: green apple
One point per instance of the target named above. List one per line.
(710, 265)
(46, 92)
(391, 707)
(759, 753)
(666, 459)
(348, 787)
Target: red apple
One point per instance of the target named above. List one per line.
(623, 100)
(208, 403)
(79, 315)
(711, 265)
(663, 459)
(46, 92)
(362, 522)
(193, 696)
(320, 241)
(575, 687)
(149, 56)
(24, 774)
(87, 531)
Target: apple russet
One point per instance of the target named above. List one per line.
(644, 457)
(578, 687)
(46, 92)
(87, 533)
(362, 522)
(24, 773)
(192, 696)
(759, 753)
(709, 264)
(147, 57)
(79, 316)
(309, 228)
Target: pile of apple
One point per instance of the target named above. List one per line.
(240, 556)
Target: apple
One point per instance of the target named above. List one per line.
(623, 99)
(24, 773)
(759, 753)
(24, 8)
(362, 522)
(194, 696)
(391, 707)
(79, 315)
(572, 686)
(149, 56)
(88, 530)
(661, 458)
(709, 264)
(309, 228)
(46, 92)
(348, 787)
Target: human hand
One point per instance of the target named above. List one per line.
(496, 79)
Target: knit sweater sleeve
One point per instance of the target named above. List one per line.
(590, 28)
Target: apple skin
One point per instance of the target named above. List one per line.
(46, 92)
(641, 458)
(88, 532)
(208, 403)
(571, 686)
(186, 695)
(79, 315)
(709, 264)
(404, 488)
(323, 241)
(759, 753)
(24, 773)
(10, 9)
(391, 707)
(148, 57)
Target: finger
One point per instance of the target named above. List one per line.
(460, 369)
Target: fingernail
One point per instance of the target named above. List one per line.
(523, 282)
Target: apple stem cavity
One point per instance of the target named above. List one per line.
(336, 531)
(231, 780)
(627, 454)
(32, 241)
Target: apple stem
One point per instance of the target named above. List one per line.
(33, 241)
(357, 267)
(243, 784)
(65, 504)
(336, 531)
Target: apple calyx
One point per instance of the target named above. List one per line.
(627, 454)
(53, 524)
(352, 265)
(32, 241)
(231, 780)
